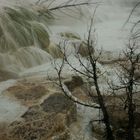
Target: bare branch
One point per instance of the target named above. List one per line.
(71, 5)
(132, 11)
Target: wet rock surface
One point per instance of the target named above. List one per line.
(44, 128)
(50, 120)
(118, 113)
(5, 75)
(28, 93)
(57, 103)
(75, 81)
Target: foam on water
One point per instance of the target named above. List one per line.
(10, 110)
(23, 59)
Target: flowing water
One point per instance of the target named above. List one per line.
(110, 33)
(10, 110)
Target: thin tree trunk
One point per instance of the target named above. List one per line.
(130, 113)
(103, 108)
(131, 105)
(131, 122)
(105, 114)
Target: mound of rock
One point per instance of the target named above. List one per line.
(58, 103)
(47, 121)
(28, 92)
(5, 75)
(76, 81)
(84, 50)
(70, 35)
(119, 116)
(55, 51)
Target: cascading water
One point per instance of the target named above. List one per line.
(21, 28)
(24, 56)
(109, 20)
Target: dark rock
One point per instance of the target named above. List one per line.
(137, 119)
(76, 81)
(118, 117)
(5, 75)
(33, 113)
(70, 35)
(137, 75)
(121, 133)
(27, 92)
(84, 50)
(48, 121)
(137, 134)
(58, 103)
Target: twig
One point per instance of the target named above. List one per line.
(71, 5)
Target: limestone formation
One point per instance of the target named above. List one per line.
(49, 120)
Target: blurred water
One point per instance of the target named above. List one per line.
(108, 23)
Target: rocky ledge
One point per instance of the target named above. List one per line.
(48, 116)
